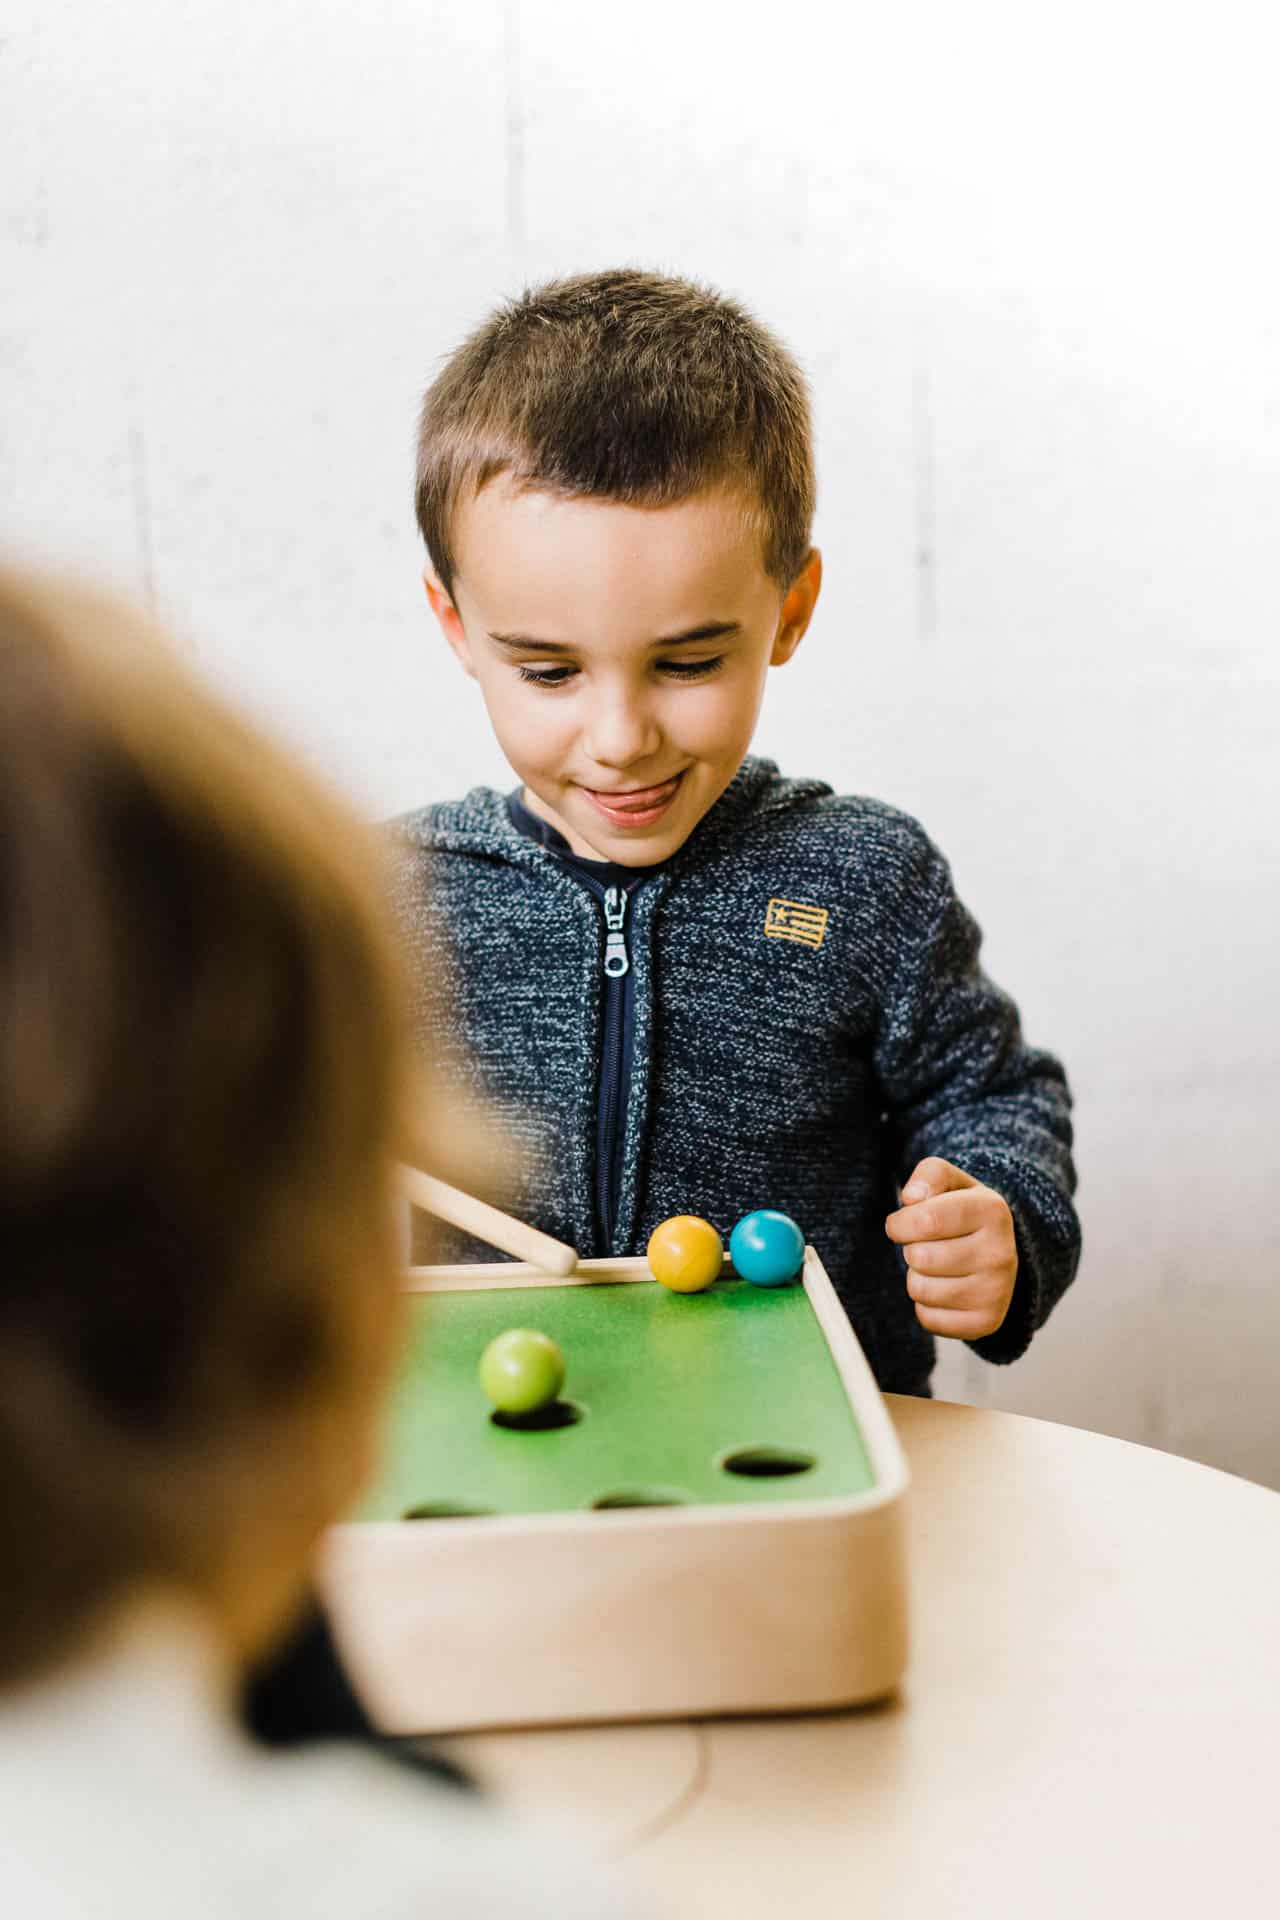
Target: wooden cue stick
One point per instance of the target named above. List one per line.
(487, 1223)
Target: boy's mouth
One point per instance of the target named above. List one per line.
(635, 806)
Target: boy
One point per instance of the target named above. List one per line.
(202, 1092)
(694, 985)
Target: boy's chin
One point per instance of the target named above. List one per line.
(633, 856)
(627, 850)
(640, 846)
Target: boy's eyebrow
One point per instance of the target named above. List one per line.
(525, 643)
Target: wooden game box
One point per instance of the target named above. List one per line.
(710, 1522)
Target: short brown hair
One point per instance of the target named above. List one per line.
(624, 386)
(201, 1058)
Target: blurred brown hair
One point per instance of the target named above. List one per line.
(201, 1094)
(627, 386)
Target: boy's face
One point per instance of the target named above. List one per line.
(621, 653)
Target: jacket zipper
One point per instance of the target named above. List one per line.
(617, 961)
(611, 1104)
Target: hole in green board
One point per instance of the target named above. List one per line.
(561, 1413)
(767, 1463)
(445, 1510)
(641, 1497)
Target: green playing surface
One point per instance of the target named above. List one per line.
(668, 1385)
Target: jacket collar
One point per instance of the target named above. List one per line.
(480, 822)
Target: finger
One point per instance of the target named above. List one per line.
(960, 1292)
(956, 1324)
(949, 1259)
(943, 1218)
(935, 1176)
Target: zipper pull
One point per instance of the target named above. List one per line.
(616, 960)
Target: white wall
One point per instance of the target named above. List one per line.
(1027, 254)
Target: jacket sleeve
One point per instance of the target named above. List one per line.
(961, 1084)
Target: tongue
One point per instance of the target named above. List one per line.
(640, 801)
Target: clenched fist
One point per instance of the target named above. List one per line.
(962, 1259)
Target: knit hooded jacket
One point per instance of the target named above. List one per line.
(810, 1020)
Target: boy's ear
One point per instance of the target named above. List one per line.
(797, 609)
(450, 623)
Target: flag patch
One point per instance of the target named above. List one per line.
(794, 920)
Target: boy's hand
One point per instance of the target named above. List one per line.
(962, 1259)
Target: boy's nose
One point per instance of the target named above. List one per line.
(619, 734)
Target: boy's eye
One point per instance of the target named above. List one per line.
(692, 669)
(546, 676)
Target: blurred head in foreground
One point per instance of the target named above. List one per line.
(200, 1105)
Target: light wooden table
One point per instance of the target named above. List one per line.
(1090, 1725)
